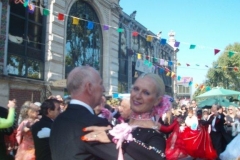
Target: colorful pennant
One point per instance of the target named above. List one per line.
(60, 16)
(192, 46)
(90, 25)
(216, 51)
(75, 21)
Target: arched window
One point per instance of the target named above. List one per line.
(83, 44)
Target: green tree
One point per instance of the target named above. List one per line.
(225, 71)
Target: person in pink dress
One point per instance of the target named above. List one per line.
(24, 137)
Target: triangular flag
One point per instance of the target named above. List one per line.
(161, 62)
(179, 78)
(170, 63)
(145, 62)
(235, 69)
(187, 64)
(168, 74)
(203, 87)
(25, 4)
(190, 83)
(46, 12)
(163, 41)
(179, 64)
(149, 38)
(134, 33)
(105, 27)
(161, 70)
(192, 46)
(216, 51)
(75, 21)
(197, 64)
(90, 25)
(120, 30)
(154, 59)
(139, 56)
(31, 8)
(206, 66)
(60, 16)
(149, 64)
(196, 85)
(230, 54)
(167, 69)
(173, 75)
(147, 57)
(176, 44)
(224, 68)
(115, 95)
(208, 88)
(165, 63)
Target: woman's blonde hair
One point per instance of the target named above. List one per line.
(159, 82)
(27, 105)
(233, 109)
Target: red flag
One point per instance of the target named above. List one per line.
(235, 69)
(216, 51)
(134, 33)
(166, 69)
(147, 57)
(60, 16)
(187, 64)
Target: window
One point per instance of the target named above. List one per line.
(83, 45)
(26, 44)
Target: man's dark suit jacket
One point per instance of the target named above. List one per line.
(65, 142)
(42, 148)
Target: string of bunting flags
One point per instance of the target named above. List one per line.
(90, 25)
(163, 66)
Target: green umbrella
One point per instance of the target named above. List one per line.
(210, 101)
(218, 92)
(207, 103)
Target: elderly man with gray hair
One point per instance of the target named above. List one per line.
(124, 108)
(86, 89)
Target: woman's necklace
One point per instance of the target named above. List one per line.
(141, 116)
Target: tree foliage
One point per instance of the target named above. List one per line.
(225, 71)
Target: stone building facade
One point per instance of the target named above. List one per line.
(37, 48)
(131, 45)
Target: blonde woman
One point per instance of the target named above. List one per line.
(29, 114)
(230, 118)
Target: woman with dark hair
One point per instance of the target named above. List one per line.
(196, 138)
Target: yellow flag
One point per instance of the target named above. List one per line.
(139, 56)
(173, 74)
(196, 85)
(75, 21)
(203, 87)
(179, 64)
(149, 38)
(168, 74)
(224, 68)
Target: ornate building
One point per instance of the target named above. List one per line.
(36, 48)
(130, 46)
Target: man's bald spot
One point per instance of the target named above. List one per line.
(79, 76)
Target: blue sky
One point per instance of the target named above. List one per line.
(208, 24)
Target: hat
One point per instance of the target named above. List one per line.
(37, 104)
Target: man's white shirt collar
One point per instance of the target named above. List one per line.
(75, 101)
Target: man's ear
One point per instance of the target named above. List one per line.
(88, 87)
(49, 111)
